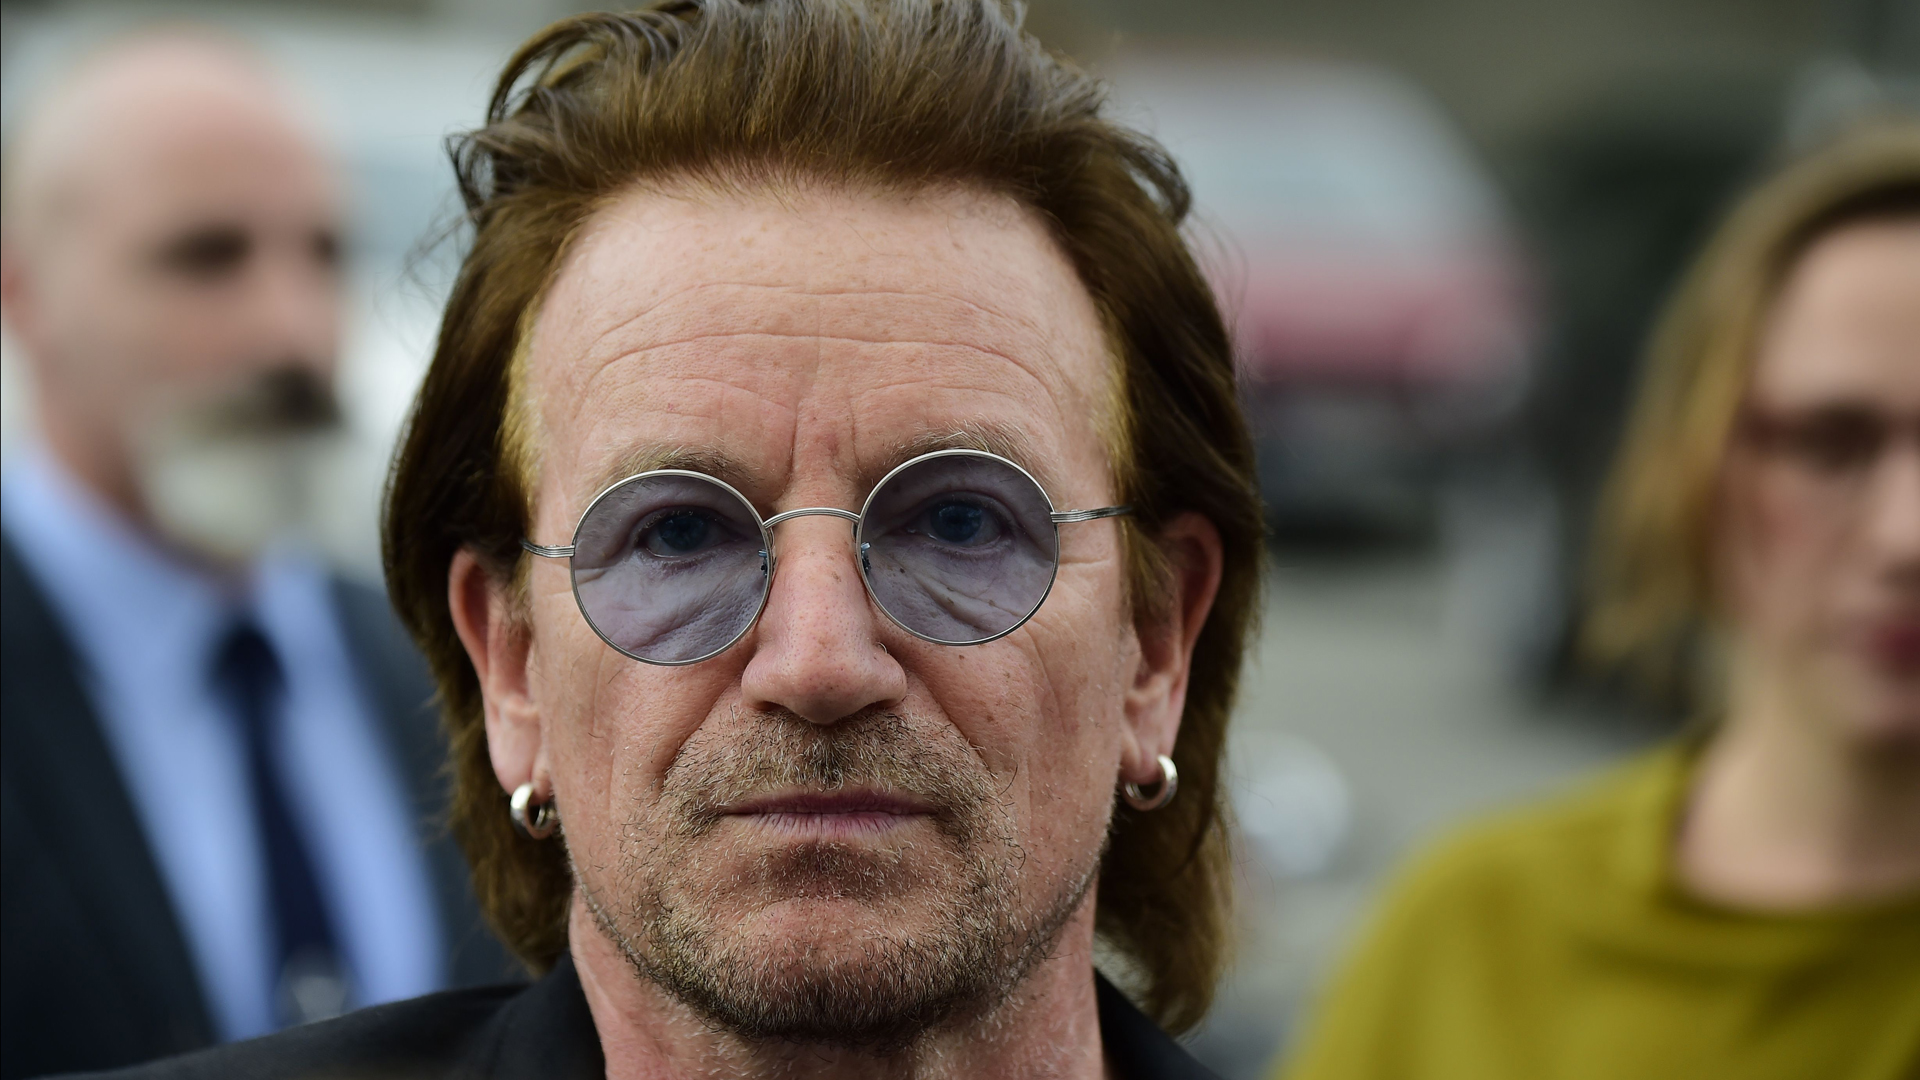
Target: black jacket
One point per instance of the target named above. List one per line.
(538, 1032)
(95, 971)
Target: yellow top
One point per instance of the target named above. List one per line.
(1553, 943)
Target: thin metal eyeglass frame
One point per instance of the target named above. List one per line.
(767, 552)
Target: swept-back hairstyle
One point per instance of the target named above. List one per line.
(887, 94)
(1652, 607)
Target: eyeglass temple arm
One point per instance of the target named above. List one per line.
(1064, 517)
(563, 552)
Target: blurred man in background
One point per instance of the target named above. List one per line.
(219, 759)
(1744, 902)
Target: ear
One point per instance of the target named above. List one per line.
(16, 301)
(1158, 691)
(499, 645)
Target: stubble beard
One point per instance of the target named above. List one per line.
(938, 937)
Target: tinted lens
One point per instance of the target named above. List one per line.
(959, 548)
(668, 567)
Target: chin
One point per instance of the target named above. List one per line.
(1894, 729)
(831, 943)
(856, 973)
(1883, 712)
(830, 930)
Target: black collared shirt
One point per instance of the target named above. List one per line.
(541, 1031)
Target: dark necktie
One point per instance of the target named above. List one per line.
(310, 983)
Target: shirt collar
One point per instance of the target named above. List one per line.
(137, 614)
(547, 1031)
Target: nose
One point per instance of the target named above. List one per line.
(817, 650)
(1893, 514)
(297, 312)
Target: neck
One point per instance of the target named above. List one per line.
(1789, 812)
(1048, 1026)
(95, 456)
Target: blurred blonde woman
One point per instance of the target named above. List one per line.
(1744, 902)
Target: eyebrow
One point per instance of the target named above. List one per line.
(988, 436)
(710, 460)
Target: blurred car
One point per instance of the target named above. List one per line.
(1378, 302)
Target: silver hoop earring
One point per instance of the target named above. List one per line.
(1169, 784)
(543, 819)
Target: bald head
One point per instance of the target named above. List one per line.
(171, 234)
(146, 111)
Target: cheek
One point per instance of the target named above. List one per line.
(162, 336)
(100, 312)
(210, 329)
(1075, 766)
(1782, 556)
(1044, 709)
(611, 725)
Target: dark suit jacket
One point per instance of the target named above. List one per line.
(95, 970)
(539, 1032)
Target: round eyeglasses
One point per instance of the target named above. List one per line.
(958, 547)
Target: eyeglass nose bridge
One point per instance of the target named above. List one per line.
(826, 511)
(769, 558)
(766, 528)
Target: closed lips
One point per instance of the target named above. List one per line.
(831, 803)
(1895, 643)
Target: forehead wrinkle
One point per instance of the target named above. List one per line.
(716, 248)
(686, 291)
(1046, 350)
(822, 339)
(608, 368)
(1044, 339)
(1040, 339)
(683, 290)
(583, 392)
(725, 335)
(988, 435)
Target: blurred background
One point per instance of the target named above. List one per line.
(1440, 228)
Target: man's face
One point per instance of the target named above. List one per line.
(833, 831)
(182, 248)
(1820, 544)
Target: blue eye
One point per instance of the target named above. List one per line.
(956, 523)
(678, 534)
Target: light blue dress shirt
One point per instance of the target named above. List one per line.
(145, 627)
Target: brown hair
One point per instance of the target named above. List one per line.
(896, 94)
(1652, 601)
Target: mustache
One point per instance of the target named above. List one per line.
(877, 749)
(289, 398)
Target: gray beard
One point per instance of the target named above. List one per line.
(975, 941)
